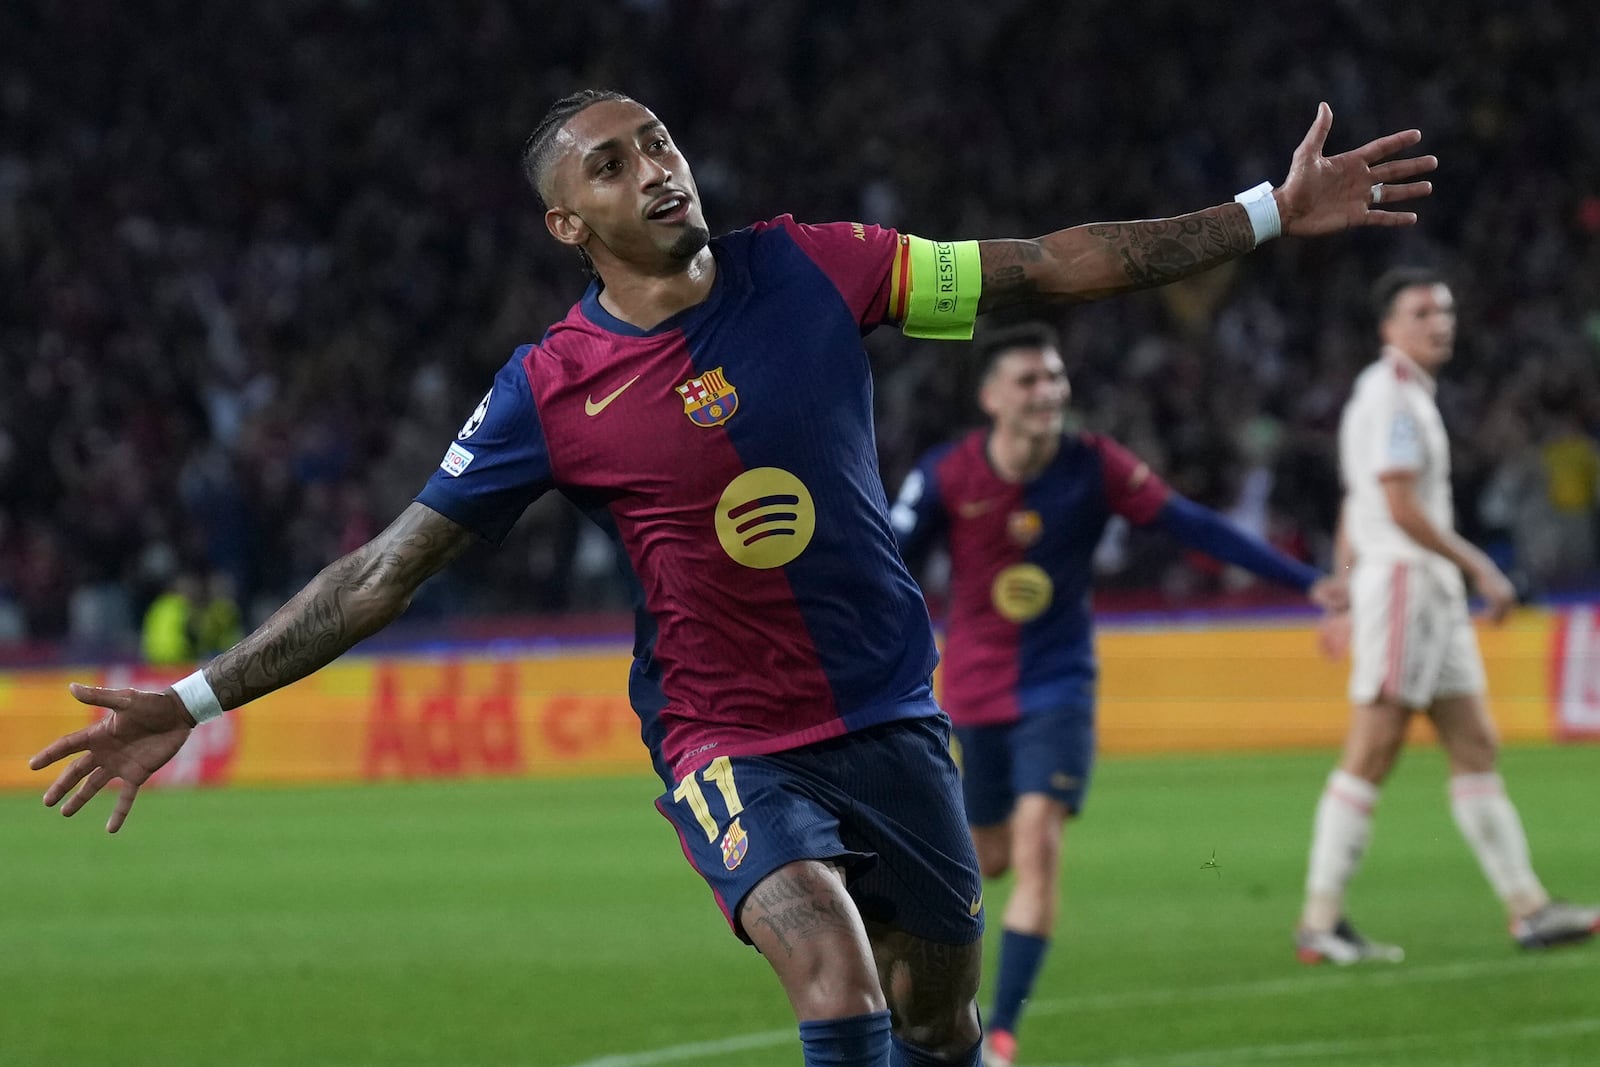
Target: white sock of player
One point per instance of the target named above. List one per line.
(1339, 838)
(1489, 822)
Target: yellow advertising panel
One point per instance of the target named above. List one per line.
(372, 719)
(566, 713)
(1263, 687)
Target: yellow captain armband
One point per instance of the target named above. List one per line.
(934, 288)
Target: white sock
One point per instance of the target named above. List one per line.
(1339, 838)
(1490, 823)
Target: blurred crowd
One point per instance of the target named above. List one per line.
(258, 261)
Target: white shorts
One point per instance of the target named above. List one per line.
(1411, 637)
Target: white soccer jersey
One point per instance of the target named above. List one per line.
(1391, 423)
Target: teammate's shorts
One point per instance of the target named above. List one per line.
(1411, 637)
(883, 803)
(1049, 751)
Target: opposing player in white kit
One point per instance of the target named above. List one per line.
(1412, 643)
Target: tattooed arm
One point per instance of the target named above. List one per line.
(1322, 194)
(352, 598)
(1102, 258)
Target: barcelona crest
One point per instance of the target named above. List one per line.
(1025, 527)
(735, 843)
(709, 400)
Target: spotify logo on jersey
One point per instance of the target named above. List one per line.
(1021, 592)
(765, 518)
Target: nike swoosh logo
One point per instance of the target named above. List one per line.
(973, 508)
(977, 905)
(592, 407)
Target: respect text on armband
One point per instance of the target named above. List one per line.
(944, 258)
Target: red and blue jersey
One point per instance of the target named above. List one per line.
(729, 451)
(1019, 635)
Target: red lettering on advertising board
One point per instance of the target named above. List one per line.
(576, 724)
(443, 732)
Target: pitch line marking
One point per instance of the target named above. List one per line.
(1309, 983)
(1316, 1050)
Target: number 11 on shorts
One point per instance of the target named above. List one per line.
(719, 771)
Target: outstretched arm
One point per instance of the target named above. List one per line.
(1204, 530)
(352, 598)
(1321, 195)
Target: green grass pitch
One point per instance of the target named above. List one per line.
(556, 923)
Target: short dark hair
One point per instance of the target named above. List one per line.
(1390, 284)
(1029, 334)
(538, 151)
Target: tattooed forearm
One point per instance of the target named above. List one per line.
(352, 598)
(1157, 251)
(1103, 258)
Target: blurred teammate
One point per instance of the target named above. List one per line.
(709, 404)
(1410, 637)
(1021, 506)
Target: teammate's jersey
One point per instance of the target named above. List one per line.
(730, 453)
(1391, 424)
(1019, 635)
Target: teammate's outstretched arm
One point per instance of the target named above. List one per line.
(353, 598)
(1207, 531)
(1322, 194)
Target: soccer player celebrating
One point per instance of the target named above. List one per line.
(1411, 641)
(708, 402)
(1021, 506)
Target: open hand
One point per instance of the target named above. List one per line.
(1499, 595)
(1330, 594)
(1333, 635)
(142, 732)
(1325, 194)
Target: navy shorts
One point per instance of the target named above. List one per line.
(1049, 751)
(884, 803)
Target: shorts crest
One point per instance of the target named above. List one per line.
(735, 843)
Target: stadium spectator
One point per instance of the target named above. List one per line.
(170, 632)
(213, 222)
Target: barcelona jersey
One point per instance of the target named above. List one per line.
(729, 451)
(1019, 636)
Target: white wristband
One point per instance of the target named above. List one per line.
(198, 696)
(1262, 208)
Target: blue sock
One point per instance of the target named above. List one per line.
(904, 1055)
(1020, 958)
(857, 1041)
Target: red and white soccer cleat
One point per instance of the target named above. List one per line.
(1343, 946)
(999, 1049)
(1557, 923)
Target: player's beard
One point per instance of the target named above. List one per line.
(689, 243)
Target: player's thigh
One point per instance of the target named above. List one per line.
(984, 760)
(1036, 831)
(741, 819)
(931, 987)
(805, 924)
(1372, 744)
(1466, 732)
(1052, 755)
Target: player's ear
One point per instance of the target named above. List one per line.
(986, 402)
(566, 226)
